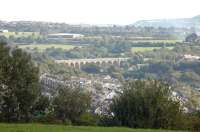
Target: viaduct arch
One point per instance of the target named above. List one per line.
(79, 62)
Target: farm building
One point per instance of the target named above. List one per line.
(3, 31)
(191, 57)
(65, 36)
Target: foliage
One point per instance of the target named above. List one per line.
(147, 104)
(71, 103)
(88, 119)
(91, 68)
(192, 38)
(19, 84)
(41, 107)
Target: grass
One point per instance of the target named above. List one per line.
(157, 41)
(145, 49)
(21, 34)
(62, 128)
(42, 47)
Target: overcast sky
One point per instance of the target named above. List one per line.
(97, 11)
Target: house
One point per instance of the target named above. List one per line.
(3, 31)
(191, 57)
(65, 36)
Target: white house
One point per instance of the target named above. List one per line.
(3, 31)
(65, 36)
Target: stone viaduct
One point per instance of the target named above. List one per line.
(79, 62)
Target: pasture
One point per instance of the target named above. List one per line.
(145, 49)
(21, 34)
(62, 128)
(43, 47)
(157, 41)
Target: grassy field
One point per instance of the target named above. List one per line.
(62, 128)
(42, 47)
(157, 41)
(21, 34)
(144, 49)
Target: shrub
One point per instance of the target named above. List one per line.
(147, 104)
(88, 119)
(47, 119)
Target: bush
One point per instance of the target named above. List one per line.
(71, 103)
(192, 121)
(47, 119)
(88, 119)
(108, 121)
(67, 122)
(147, 104)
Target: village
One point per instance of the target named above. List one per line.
(102, 88)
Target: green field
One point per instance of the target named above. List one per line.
(157, 41)
(42, 47)
(145, 49)
(62, 128)
(21, 34)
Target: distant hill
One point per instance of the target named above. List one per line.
(178, 23)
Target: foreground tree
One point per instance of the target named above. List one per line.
(71, 103)
(19, 85)
(146, 104)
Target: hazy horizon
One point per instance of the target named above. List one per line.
(121, 12)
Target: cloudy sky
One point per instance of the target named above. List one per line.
(97, 11)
